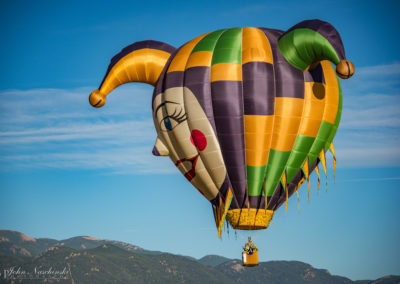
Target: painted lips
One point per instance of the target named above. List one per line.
(192, 173)
(199, 140)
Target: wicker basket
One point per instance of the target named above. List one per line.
(250, 259)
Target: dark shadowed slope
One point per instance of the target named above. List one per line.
(213, 260)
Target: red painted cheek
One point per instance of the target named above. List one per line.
(198, 139)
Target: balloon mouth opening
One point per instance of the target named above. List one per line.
(249, 219)
(248, 227)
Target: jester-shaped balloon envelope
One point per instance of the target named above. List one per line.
(246, 114)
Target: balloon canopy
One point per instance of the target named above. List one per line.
(246, 114)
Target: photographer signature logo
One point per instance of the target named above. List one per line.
(37, 272)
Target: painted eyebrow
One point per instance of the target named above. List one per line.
(163, 104)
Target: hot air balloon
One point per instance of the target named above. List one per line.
(246, 114)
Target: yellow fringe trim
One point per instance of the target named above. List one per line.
(323, 159)
(221, 212)
(266, 197)
(306, 173)
(298, 200)
(249, 219)
(297, 192)
(317, 171)
(284, 182)
(334, 159)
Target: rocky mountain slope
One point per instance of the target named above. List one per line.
(90, 260)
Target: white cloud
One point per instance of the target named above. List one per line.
(370, 179)
(370, 111)
(58, 128)
(116, 160)
(369, 130)
(139, 131)
(380, 79)
(368, 156)
(379, 70)
(52, 128)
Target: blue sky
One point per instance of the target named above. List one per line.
(68, 169)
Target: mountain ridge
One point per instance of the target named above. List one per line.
(86, 259)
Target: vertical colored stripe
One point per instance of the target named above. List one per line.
(327, 127)
(288, 112)
(226, 72)
(289, 100)
(228, 115)
(332, 92)
(229, 47)
(258, 100)
(337, 119)
(255, 179)
(197, 79)
(298, 155)
(199, 58)
(258, 131)
(319, 143)
(255, 46)
(227, 102)
(258, 88)
(276, 166)
(180, 59)
(208, 42)
(314, 106)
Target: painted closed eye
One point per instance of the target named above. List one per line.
(169, 122)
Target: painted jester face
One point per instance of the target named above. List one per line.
(187, 137)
